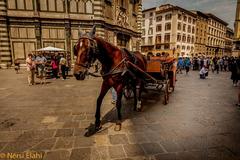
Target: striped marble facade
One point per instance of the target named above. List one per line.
(26, 25)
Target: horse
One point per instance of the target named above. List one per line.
(90, 48)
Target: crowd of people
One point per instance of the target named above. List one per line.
(215, 64)
(42, 64)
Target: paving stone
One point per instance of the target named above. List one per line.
(166, 156)
(57, 155)
(36, 134)
(64, 133)
(152, 148)
(84, 142)
(133, 150)
(49, 119)
(79, 132)
(85, 124)
(81, 154)
(172, 146)
(137, 138)
(46, 144)
(71, 124)
(100, 153)
(56, 125)
(9, 136)
(101, 140)
(116, 152)
(79, 117)
(64, 143)
(118, 139)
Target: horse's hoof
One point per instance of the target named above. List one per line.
(97, 128)
(118, 127)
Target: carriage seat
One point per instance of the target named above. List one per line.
(131, 55)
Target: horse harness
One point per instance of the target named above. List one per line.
(127, 56)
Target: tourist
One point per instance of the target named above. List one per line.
(180, 65)
(30, 69)
(203, 73)
(235, 72)
(54, 67)
(187, 64)
(63, 63)
(41, 62)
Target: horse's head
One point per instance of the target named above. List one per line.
(85, 50)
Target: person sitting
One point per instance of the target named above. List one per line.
(203, 73)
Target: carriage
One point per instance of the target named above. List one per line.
(160, 75)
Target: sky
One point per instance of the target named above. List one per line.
(223, 9)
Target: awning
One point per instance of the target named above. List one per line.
(49, 48)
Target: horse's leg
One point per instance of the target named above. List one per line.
(119, 90)
(104, 89)
(135, 97)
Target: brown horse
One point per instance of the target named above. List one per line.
(115, 72)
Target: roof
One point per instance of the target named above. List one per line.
(169, 7)
(49, 48)
(216, 18)
(149, 9)
(199, 13)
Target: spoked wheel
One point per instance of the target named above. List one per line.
(166, 93)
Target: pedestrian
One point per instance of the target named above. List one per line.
(187, 64)
(225, 64)
(54, 67)
(40, 63)
(203, 73)
(235, 72)
(17, 65)
(180, 65)
(238, 104)
(63, 63)
(30, 69)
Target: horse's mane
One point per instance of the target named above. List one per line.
(108, 44)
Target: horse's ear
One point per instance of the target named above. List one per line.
(93, 31)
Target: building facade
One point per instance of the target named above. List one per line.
(27, 25)
(201, 34)
(216, 34)
(169, 29)
(229, 42)
(236, 48)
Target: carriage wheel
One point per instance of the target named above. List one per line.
(166, 93)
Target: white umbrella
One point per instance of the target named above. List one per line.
(49, 48)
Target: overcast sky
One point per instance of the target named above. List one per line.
(224, 9)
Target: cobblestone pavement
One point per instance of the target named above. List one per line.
(200, 122)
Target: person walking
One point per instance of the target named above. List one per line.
(54, 67)
(235, 72)
(30, 69)
(41, 62)
(187, 64)
(180, 65)
(63, 63)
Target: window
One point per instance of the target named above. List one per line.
(168, 16)
(159, 28)
(166, 46)
(192, 39)
(178, 46)
(183, 47)
(179, 37)
(167, 38)
(150, 31)
(184, 38)
(143, 41)
(150, 21)
(184, 27)
(20, 4)
(189, 29)
(143, 32)
(188, 47)
(158, 39)
(143, 23)
(189, 19)
(123, 4)
(150, 40)
(151, 14)
(167, 26)
(188, 39)
(80, 6)
(143, 15)
(179, 16)
(185, 18)
(159, 18)
(193, 30)
(179, 26)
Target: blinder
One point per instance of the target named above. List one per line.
(91, 55)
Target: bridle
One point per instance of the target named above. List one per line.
(92, 52)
